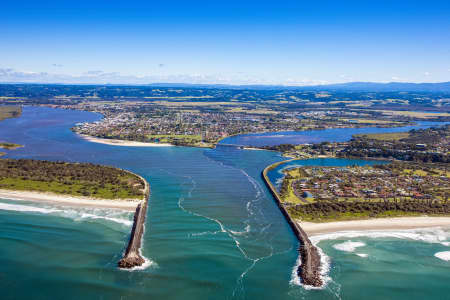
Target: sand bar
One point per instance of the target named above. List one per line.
(374, 224)
(122, 142)
(126, 204)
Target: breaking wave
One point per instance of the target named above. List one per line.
(436, 235)
(348, 246)
(444, 255)
(77, 214)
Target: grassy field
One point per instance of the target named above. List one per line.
(195, 103)
(259, 111)
(10, 111)
(415, 114)
(73, 179)
(394, 136)
(369, 121)
(168, 138)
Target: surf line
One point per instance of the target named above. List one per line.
(132, 256)
(309, 269)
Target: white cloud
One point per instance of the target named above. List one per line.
(102, 77)
(427, 73)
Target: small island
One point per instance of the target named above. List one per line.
(10, 111)
(10, 146)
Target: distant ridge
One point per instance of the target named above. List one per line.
(349, 86)
(438, 87)
(387, 87)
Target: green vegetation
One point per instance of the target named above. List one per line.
(10, 111)
(351, 215)
(76, 179)
(393, 136)
(322, 194)
(425, 145)
(175, 139)
(10, 146)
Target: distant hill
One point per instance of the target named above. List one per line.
(443, 87)
(386, 87)
(439, 87)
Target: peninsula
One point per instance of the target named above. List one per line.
(71, 183)
(81, 184)
(319, 200)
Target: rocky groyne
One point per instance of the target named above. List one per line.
(309, 269)
(132, 256)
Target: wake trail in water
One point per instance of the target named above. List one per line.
(255, 216)
(255, 213)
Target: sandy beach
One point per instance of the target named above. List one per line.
(313, 229)
(122, 142)
(69, 200)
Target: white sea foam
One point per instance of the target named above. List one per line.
(429, 235)
(78, 214)
(117, 220)
(25, 208)
(348, 246)
(444, 255)
(324, 271)
(246, 230)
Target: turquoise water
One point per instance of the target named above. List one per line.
(213, 231)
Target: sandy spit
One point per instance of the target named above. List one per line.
(121, 142)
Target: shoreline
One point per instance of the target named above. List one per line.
(398, 223)
(132, 257)
(309, 269)
(69, 200)
(125, 143)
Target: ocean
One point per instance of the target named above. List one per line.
(213, 231)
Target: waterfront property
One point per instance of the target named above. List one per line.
(352, 192)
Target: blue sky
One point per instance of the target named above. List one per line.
(234, 42)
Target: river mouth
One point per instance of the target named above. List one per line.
(212, 228)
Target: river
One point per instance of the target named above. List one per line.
(213, 231)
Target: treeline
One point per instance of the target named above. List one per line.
(323, 209)
(420, 146)
(280, 148)
(431, 169)
(82, 179)
(406, 155)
